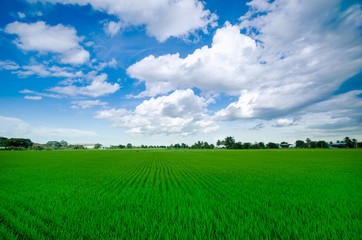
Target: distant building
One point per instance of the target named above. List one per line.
(285, 145)
(338, 145)
(87, 145)
(38, 144)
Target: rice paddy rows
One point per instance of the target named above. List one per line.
(181, 194)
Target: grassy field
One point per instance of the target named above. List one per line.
(192, 194)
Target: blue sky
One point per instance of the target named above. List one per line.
(161, 72)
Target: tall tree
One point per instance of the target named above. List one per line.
(229, 142)
(349, 142)
(97, 146)
(3, 141)
(63, 143)
(300, 144)
(308, 141)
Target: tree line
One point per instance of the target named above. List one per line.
(228, 143)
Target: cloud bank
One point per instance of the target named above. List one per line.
(162, 18)
(282, 56)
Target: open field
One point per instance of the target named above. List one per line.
(191, 194)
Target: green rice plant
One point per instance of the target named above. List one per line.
(181, 194)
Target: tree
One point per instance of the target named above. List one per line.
(18, 142)
(3, 141)
(349, 142)
(313, 144)
(307, 145)
(77, 146)
(63, 143)
(206, 145)
(229, 142)
(354, 141)
(261, 145)
(38, 148)
(129, 145)
(322, 144)
(247, 145)
(97, 146)
(299, 144)
(183, 145)
(272, 145)
(53, 144)
(238, 145)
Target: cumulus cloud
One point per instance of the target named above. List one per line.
(181, 112)
(162, 19)
(87, 104)
(98, 87)
(33, 97)
(290, 57)
(54, 39)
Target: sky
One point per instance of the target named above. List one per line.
(160, 72)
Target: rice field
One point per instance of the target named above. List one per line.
(184, 194)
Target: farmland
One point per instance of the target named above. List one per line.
(190, 194)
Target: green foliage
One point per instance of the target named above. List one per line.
(3, 141)
(300, 144)
(37, 148)
(16, 143)
(322, 144)
(53, 144)
(97, 146)
(77, 147)
(188, 194)
(272, 145)
(63, 143)
(229, 142)
(129, 145)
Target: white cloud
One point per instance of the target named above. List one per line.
(291, 57)
(103, 65)
(14, 127)
(33, 97)
(181, 112)
(8, 65)
(98, 87)
(112, 28)
(284, 122)
(21, 15)
(162, 18)
(27, 91)
(45, 38)
(46, 71)
(87, 104)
